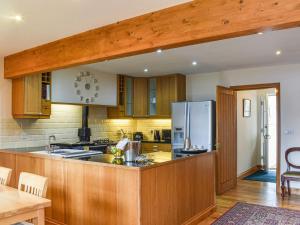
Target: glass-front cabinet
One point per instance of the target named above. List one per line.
(143, 97)
(129, 96)
(152, 97)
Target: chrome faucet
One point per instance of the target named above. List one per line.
(50, 148)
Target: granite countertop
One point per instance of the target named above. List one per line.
(154, 158)
(27, 149)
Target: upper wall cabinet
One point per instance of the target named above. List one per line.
(140, 97)
(170, 88)
(82, 85)
(148, 97)
(31, 96)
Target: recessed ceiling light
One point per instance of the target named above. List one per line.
(260, 33)
(278, 52)
(194, 63)
(17, 18)
(159, 51)
(146, 70)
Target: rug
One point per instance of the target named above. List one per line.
(263, 176)
(250, 214)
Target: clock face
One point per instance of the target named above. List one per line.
(86, 87)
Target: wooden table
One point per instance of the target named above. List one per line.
(17, 206)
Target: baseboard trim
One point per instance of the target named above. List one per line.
(249, 171)
(200, 216)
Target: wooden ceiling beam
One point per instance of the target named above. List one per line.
(190, 23)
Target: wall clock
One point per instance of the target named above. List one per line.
(86, 87)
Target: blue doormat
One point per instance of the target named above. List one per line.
(263, 176)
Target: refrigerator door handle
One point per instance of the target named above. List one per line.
(188, 120)
(185, 116)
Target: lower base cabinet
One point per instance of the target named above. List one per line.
(104, 194)
(155, 147)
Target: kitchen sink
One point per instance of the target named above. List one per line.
(68, 153)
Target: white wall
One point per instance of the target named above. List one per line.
(248, 151)
(63, 89)
(289, 77)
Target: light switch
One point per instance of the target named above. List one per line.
(289, 132)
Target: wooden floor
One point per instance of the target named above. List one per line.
(252, 192)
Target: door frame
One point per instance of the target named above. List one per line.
(278, 125)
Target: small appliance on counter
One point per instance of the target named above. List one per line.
(156, 135)
(166, 135)
(138, 136)
(132, 151)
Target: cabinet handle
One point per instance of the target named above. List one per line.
(155, 148)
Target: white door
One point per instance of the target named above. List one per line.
(272, 131)
(264, 134)
(268, 131)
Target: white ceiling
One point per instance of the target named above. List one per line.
(49, 20)
(244, 52)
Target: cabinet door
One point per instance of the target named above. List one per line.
(33, 95)
(152, 97)
(140, 97)
(128, 96)
(170, 89)
(163, 96)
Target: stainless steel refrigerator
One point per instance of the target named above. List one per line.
(194, 121)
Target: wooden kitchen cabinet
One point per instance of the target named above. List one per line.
(140, 97)
(170, 88)
(31, 97)
(148, 147)
(147, 97)
(124, 106)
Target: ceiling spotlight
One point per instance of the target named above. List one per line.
(17, 18)
(194, 63)
(158, 51)
(260, 33)
(278, 52)
(146, 70)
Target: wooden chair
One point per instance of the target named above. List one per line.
(5, 174)
(32, 184)
(289, 175)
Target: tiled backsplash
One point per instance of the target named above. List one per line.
(102, 127)
(64, 123)
(148, 125)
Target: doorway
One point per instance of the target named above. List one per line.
(267, 108)
(226, 173)
(256, 135)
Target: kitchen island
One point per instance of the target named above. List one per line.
(163, 192)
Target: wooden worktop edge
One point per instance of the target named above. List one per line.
(35, 155)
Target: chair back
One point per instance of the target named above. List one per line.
(33, 184)
(5, 174)
(289, 164)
